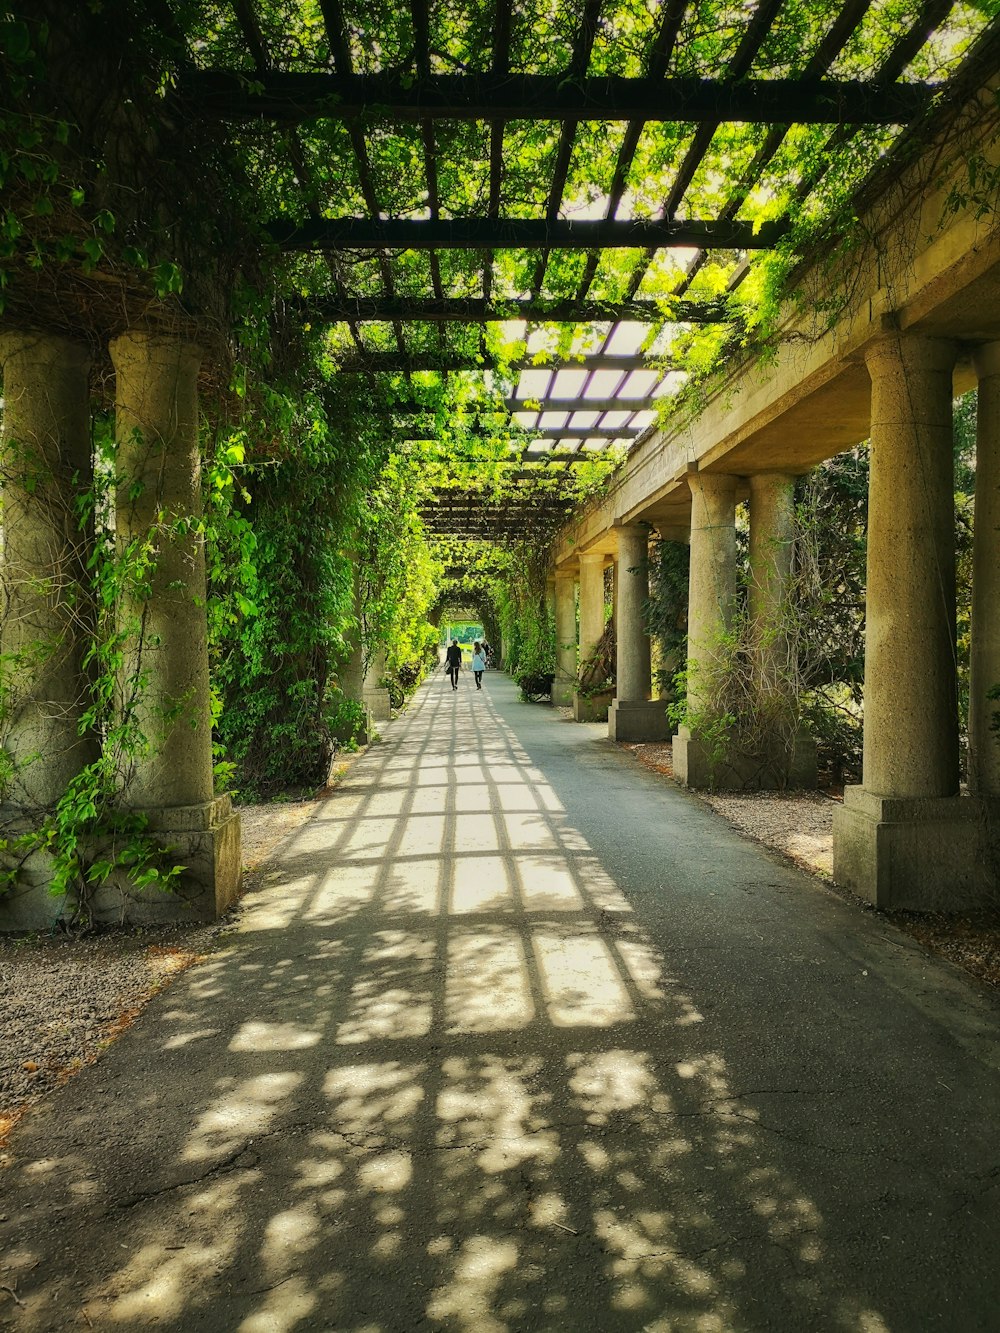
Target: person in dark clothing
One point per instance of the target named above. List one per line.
(453, 663)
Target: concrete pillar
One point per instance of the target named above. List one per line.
(712, 579)
(47, 619)
(633, 641)
(633, 715)
(772, 535)
(711, 599)
(159, 483)
(159, 501)
(911, 709)
(351, 674)
(591, 707)
(984, 666)
(787, 756)
(375, 694)
(904, 839)
(565, 681)
(591, 601)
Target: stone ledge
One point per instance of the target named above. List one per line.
(591, 707)
(638, 720)
(205, 839)
(696, 767)
(378, 703)
(188, 818)
(918, 854)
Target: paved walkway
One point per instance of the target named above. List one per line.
(521, 1037)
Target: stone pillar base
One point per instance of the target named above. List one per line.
(203, 838)
(591, 707)
(932, 854)
(638, 720)
(562, 693)
(696, 766)
(378, 704)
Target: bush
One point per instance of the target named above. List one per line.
(535, 686)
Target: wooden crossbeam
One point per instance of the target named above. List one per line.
(397, 363)
(566, 433)
(584, 432)
(581, 404)
(409, 408)
(475, 310)
(521, 234)
(293, 97)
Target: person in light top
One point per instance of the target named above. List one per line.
(478, 664)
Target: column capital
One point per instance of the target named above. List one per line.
(912, 352)
(164, 349)
(711, 483)
(592, 557)
(564, 572)
(774, 477)
(45, 349)
(986, 360)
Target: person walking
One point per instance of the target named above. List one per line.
(487, 653)
(453, 663)
(478, 664)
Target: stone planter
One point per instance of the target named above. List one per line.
(592, 707)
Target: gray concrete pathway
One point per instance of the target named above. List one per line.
(520, 1037)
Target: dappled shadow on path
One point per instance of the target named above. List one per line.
(442, 1079)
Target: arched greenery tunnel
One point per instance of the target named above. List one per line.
(427, 275)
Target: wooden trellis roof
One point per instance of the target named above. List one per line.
(622, 106)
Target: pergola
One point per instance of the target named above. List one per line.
(587, 182)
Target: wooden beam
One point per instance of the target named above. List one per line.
(292, 97)
(395, 363)
(409, 408)
(521, 233)
(475, 310)
(582, 404)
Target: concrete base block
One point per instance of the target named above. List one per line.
(919, 855)
(563, 692)
(696, 766)
(205, 839)
(638, 720)
(378, 704)
(591, 707)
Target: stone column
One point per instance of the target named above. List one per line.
(376, 695)
(159, 500)
(591, 601)
(633, 716)
(48, 616)
(565, 681)
(590, 708)
(633, 641)
(984, 666)
(911, 710)
(351, 675)
(788, 756)
(550, 597)
(772, 534)
(711, 598)
(902, 839)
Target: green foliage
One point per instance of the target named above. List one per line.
(666, 608)
(90, 835)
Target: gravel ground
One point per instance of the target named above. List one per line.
(63, 1000)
